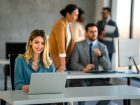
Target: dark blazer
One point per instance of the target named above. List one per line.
(80, 56)
(109, 44)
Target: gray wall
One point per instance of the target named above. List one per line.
(19, 17)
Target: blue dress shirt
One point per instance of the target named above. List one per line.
(23, 71)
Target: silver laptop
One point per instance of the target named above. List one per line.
(51, 83)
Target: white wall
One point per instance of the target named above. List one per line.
(19, 17)
(98, 8)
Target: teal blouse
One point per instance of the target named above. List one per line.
(23, 71)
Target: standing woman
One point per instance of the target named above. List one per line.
(79, 30)
(61, 39)
(35, 59)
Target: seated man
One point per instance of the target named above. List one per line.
(89, 55)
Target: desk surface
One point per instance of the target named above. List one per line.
(73, 94)
(82, 75)
(4, 61)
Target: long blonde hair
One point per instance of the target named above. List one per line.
(29, 51)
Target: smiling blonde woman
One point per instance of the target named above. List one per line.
(35, 59)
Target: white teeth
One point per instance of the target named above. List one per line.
(38, 49)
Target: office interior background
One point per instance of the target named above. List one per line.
(19, 17)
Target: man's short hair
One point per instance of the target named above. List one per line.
(107, 8)
(90, 25)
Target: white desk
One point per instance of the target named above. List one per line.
(4, 61)
(81, 75)
(73, 94)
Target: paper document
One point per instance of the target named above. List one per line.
(108, 39)
(109, 29)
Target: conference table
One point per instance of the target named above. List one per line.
(81, 75)
(120, 74)
(73, 94)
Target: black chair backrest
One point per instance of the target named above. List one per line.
(12, 64)
(15, 48)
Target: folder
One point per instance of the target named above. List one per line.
(109, 29)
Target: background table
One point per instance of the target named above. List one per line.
(4, 62)
(82, 75)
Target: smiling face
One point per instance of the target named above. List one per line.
(37, 45)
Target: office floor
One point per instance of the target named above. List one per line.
(116, 81)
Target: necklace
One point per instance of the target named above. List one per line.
(35, 65)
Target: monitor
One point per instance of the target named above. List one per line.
(15, 48)
(128, 52)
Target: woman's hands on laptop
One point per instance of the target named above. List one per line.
(25, 88)
(88, 67)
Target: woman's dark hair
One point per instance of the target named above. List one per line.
(80, 17)
(81, 12)
(68, 9)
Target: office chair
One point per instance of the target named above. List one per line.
(12, 48)
(6, 71)
(12, 64)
